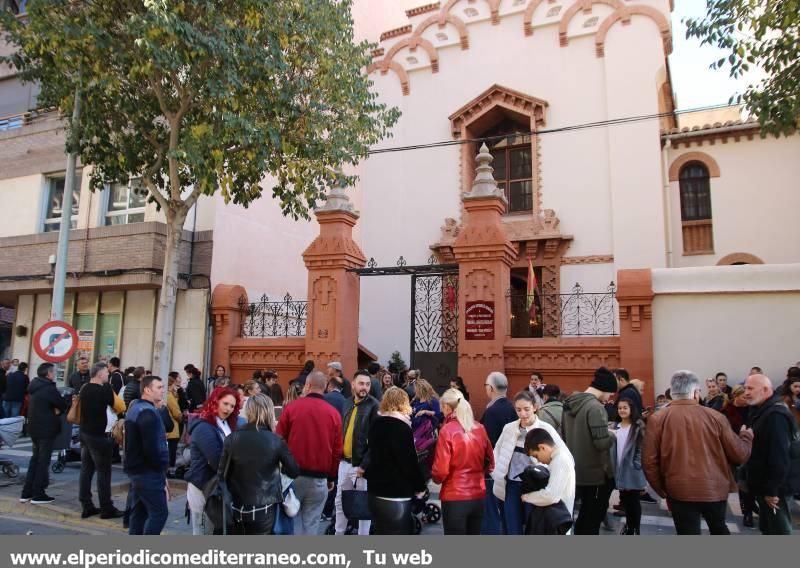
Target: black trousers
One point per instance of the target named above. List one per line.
(462, 517)
(391, 517)
(686, 516)
(632, 506)
(747, 501)
(96, 455)
(38, 477)
(172, 445)
(594, 505)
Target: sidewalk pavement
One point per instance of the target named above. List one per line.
(67, 509)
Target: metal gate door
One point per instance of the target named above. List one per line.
(434, 326)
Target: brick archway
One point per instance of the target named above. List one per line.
(739, 258)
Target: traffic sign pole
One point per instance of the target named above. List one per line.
(60, 275)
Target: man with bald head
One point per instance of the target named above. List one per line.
(767, 470)
(312, 429)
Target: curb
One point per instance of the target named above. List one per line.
(54, 513)
(72, 517)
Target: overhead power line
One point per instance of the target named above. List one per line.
(583, 126)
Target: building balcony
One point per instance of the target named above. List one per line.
(114, 257)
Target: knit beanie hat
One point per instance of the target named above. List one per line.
(604, 380)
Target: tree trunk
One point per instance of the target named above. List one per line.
(165, 316)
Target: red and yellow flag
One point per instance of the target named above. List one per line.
(532, 287)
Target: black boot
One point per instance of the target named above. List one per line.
(748, 520)
(89, 511)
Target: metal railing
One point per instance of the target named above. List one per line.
(265, 318)
(13, 121)
(578, 313)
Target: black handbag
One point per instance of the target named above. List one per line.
(355, 503)
(218, 500)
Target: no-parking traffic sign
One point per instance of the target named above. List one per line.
(56, 341)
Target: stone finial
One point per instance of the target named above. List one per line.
(484, 184)
(337, 200)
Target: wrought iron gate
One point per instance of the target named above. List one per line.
(434, 316)
(434, 326)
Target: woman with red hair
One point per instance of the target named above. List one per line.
(216, 420)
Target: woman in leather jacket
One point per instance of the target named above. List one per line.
(252, 461)
(393, 472)
(463, 455)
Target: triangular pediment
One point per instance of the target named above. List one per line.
(496, 97)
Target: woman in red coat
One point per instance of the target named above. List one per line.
(463, 455)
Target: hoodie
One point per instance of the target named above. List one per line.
(585, 428)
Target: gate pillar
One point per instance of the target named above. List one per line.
(485, 255)
(333, 293)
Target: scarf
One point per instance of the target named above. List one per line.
(397, 415)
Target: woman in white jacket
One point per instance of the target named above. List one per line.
(511, 459)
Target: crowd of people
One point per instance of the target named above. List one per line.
(362, 452)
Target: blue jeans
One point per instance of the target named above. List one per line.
(11, 409)
(493, 522)
(149, 510)
(515, 511)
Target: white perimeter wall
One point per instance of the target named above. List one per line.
(726, 318)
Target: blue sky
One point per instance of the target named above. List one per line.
(694, 84)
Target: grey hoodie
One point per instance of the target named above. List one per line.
(585, 429)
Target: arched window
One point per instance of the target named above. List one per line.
(695, 192)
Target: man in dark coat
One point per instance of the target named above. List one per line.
(195, 390)
(627, 391)
(300, 379)
(4, 366)
(16, 386)
(375, 389)
(44, 425)
(132, 390)
(81, 375)
(498, 413)
(115, 377)
(769, 464)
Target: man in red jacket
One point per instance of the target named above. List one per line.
(312, 429)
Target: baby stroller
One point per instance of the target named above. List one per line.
(68, 441)
(425, 435)
(10, 430)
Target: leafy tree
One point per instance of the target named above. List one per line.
(396, 362)
(200, 96)
(758, 34)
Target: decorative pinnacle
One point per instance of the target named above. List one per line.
(337, 200)
(484, 184)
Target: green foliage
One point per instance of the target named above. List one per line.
(208, 94)
(758, 34)
(396, 361)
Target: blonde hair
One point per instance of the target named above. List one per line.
(395, 399)
(454, 399)
(737, 390)
(424, 391)
(292, 393)
(260, 411)
(250, 386)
